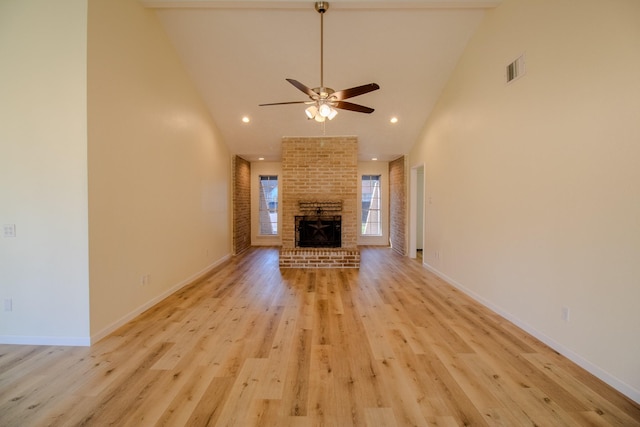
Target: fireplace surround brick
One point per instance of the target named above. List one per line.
(322, 169)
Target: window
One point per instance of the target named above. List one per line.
(371, 204)
(268, 211)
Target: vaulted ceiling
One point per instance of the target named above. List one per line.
(239, 54)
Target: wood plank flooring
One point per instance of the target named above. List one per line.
(389, 344)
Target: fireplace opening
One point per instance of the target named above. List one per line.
(319, 231)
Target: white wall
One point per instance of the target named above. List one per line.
(382, 169)
(534, 185)
(159, 173)
(43, 172)
(257, 169)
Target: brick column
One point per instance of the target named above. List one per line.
(397, 205)
(241, 205)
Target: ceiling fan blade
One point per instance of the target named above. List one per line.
(303, 88)
(282, 103)
(355, 91)
(353, 107)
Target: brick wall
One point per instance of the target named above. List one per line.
(320, 169)
(241, 205)
(397, 205)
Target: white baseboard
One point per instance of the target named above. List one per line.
(595, 370)
(57, 341)
(144, 307)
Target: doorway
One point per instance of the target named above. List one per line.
(416, 213)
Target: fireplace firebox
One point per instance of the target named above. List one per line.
(318, 231)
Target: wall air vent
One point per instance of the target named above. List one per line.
(516, 69)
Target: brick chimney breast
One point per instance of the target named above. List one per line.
(324, 169)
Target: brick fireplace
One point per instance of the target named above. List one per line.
(319, 181)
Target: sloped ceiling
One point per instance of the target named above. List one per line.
(240, 52)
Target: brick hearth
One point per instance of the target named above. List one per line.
(319, 258)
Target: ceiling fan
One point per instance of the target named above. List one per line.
(324, 100)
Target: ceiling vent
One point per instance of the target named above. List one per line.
(516, 69)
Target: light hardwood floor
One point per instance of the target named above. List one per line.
(387, 345)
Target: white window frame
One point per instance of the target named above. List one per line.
(268, 207)
(372, 224)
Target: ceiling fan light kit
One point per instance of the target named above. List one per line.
(320, 114)
(324, 101)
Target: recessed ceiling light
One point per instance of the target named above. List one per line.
(374, 158)
(260, 158)
(246, 119)
(394, 120)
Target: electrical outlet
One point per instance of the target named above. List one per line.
(437, 254)
(9, 230)
(144, 279)
(565, 313)
(8, 304)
